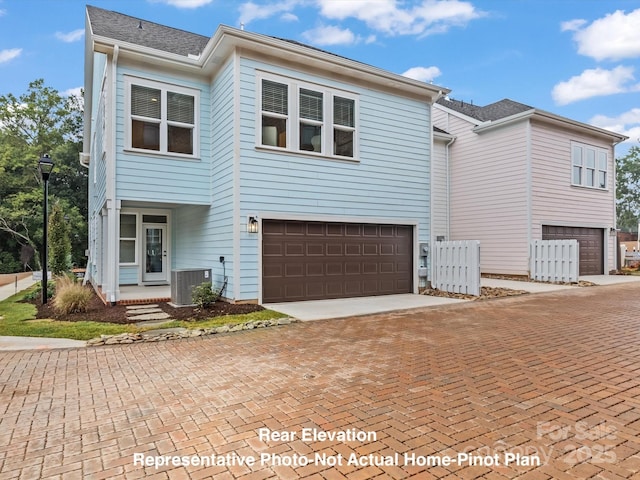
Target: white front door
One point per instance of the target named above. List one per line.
(154, 253)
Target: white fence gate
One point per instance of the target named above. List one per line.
(456, 266)
(555, 260)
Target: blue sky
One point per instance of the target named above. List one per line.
(575, 58)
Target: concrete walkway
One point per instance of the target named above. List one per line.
(38, 343)
(11, 289)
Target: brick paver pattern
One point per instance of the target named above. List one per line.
(554, 376)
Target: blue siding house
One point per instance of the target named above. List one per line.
(307, 172)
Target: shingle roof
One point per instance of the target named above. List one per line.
(124, 28)
(494, 111)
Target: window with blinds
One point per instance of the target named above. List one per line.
(344, 126)
(275, 111)
(163, 118)
(317, 119)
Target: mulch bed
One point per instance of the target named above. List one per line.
(99, 312)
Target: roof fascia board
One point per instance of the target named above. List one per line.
(284, 49)
(462, 116)
(553, 119)
(557, 119)
(106, 45)
(491, 124)
(226, 39)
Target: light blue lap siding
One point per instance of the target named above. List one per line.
(390, 179)
(204, 234)
(157, 178)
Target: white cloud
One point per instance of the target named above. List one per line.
(330, 35)
(627, 123)
(389, 16)
(613, 37)
(9, 54)
(184, 3)
(73, 92)
(593, 83)
(251, 11)
(289, 17)
(71, 36)
(423, 74)
(572, 25)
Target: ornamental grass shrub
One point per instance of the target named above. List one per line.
(71, 296)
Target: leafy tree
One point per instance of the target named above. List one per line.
(59, 243)
(37, 122)
(628, 190)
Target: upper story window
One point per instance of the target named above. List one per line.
(589, 166)
(303, 117)
(162, 118)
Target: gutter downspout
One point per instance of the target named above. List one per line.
(112, 291)
(448, 186)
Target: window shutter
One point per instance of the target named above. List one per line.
(310, 105)
(274, 97)
(145, 101)
(343, 111)
(180, 108)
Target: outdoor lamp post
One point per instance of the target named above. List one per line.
(45, 165)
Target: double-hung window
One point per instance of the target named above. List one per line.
(301, 117)
(589, 166)
(128, 236)
(162, 118)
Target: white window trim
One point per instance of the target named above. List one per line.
(163, 121)
(584, 168)
(294, 120)
(135, 240)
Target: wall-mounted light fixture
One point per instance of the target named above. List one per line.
(252, 224)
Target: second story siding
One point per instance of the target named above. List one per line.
(157, 176)
(389, 177)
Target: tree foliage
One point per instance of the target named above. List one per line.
(628, 190)
(37, 122)
(59, 243)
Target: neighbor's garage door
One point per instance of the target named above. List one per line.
(317, 260)
(591, 245)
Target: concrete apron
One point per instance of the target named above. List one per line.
(349, 307)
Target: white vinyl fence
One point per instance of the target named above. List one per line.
(456, 266)
(555, 260)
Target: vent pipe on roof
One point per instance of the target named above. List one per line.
(140, 25)
(242, 26)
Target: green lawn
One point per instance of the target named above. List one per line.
(19, 319)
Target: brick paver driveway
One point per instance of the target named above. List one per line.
(540, 386)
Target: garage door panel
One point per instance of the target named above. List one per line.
(590, 240)
(315, 249)
(313, 260)
(370, 249)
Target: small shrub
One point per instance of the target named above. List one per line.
(204, 295)
(71, 296)
(36, 292)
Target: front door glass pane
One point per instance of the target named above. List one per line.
(154, 250)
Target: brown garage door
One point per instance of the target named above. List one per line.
(317, 260)
(591, 245)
